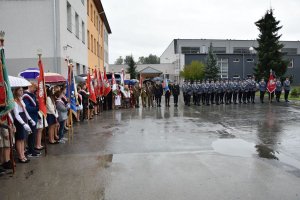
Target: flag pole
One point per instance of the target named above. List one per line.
(11, 146)
(44, 131)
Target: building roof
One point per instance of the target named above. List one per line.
(150, 70)
(102, 14)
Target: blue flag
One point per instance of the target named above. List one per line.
(166, 85)
(71, 91)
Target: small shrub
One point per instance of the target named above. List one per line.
(294, 93)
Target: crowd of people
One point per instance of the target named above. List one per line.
(27, 123)
(233, 91)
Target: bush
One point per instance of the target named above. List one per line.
(294, 93)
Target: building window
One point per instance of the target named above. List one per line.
(92, 45)
(96, 22)
(77, 68)
(88, 37)
(250, 60)
(83, 32)
(91, 11)
(94, 18)
(69, 17)
(236, 60)
(190, 50)
(84, 69)
(223, 65)
(241, 50)
(291, 64)
(98, 49)
(219, 50)
(76, 25)
(289, 51)
(95, 52)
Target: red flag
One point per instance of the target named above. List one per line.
(101, 88)
(106, 85)
(42, 95)
(96, 81)
(90, 88)
(271, 84)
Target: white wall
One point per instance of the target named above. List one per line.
(28, 26)
(78, 52)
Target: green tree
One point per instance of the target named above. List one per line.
(151, 59)
(194, 71)
(211, 69)
(269, 48)
(119, 61)
(129, 60)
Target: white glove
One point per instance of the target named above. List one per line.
(27, 128)
(32, 122)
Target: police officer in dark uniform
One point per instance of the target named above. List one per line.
(235, 91)
(199, 93)
(287, 89)
(252, 89)
(245, 91)
(217, 92)
(278, 90)
(176, 93)
(158, 92)
(208, 92)
(222, 92)
(184, 86)
(195, 88)
(203, 92)
(212, 95)
(240, 94)
(189, 93)
(262, 89)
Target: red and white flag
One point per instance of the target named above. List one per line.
(106, 85)
(271, 86)
(90, 87)
(42, 95)
(101, 87)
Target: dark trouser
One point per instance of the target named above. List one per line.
(175, 99)
(158, 100)
(245, 97)
(184, 98)
(207, 98)
(137, 101)
(240, 96)
(212, 98)
(61, 129)
(262, 96)
(271, 97)
(167, 101)
(199, 96)
(203, 98)
(252, 96)
(278, 94)
(31, 139)
(228, 97)
(150, 101)
(235, 97)
(188, 99)
(248, 96)
(218, 98)
(286, 95)
(84, 112)
(222, 97)
(195, 98)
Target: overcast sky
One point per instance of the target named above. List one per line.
(141, 27)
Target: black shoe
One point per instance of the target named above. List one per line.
(23, 161)
(7, 165)
(2, 171)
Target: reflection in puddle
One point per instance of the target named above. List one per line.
(239, 147)
(234, 147)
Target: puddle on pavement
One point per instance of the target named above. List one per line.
(242, 148)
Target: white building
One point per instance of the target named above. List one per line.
(58, 27)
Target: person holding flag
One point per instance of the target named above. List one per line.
(271, 86)
(92, 96)
(7, 104)
(42, 114)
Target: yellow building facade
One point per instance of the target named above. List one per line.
(96, 20)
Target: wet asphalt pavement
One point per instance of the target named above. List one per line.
(185, 153)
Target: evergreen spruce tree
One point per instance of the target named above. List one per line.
(211, 69)
(131, 67)
(269, 49)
